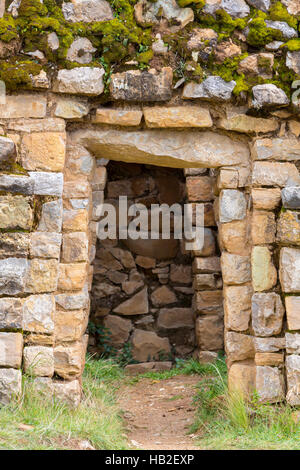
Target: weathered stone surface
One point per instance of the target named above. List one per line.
(257, 64)
(212, 88)
(293, 6)
(238, 346)
(181, 274)
(42, 276)
(75, 247)
(47, 184)
(268, 95)
(70, 325)
(145, 262)
(237, 307)
(232, 205)
(142, 368)
(206, 265)
(209, 331)
(16, 184)
(7, 149)
(263, 5)
(148, 13)
(289, 272)
(267, 314)
(263, 227)
(228, 179)
(70, 109)
(269, 359)
(234, 237)
(205, 281)
(200, 37)
(24, 106)
(235, 8)
(274, 174)
(287, 31)
(159, 249)
(136, 305)
(208, 302)
(15, 213)
(73, 301)
(38, 361)
(206, 357)
(291, 197)
(269, 384)
(241, 378)
(268, 199)
(179, 116)
(118, 117)
(75, 220)
(45, 245)
(68, 392)
(12, 275)
(293, 379)
(11, 310)
(226, 50)
(264, 274)
(163, 296)
(87, 11)
(268, 345)
(119, 329)
(135, 85)
(38, 314)
(69, 360)
(292, 305)
(81, 51)
(53, 41)
(80, 80)
(11, 348)
(39, 339)
(28, 125)
(199, 188)
(292, 343)
(146, 345)
(288, 228)
(14, 244)
(72, 276)
(248, 124)
(43, 151)
(173, 318)
(10, 385)
(235, 269)
(51, 218)
(276, 149)
(165, 148)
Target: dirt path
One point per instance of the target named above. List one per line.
(158, 414)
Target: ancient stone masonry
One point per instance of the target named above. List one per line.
(186, 101)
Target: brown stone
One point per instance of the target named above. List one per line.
(119, 329)
(264, 274)
(241, 378)
(234, 237)
(248, 124)
(11, 348)
(266, 345)
(173, 318)
(135, 85)
(274, 174)
(39, 361)
(145, 262)
(236, 269)
(179, 116)
(209, 244)
(70, 325)
(118, 117)
(75, 220)
(42, 276)
(228, 179)
(74, 247)
(226, 50)
(269, 384)
(237, 307)
(205, 281)
(238, 346)
(288, 228)
(68, 392)
(136, 305)
(207, 302)
(15, 213)
(199, 188)
(38, 314)
(45, 245)
(43, 151)
(163, 296)
(72, 276)
(263, 227)
(206, 265)
(158, 249)
(14, 244)
(268, 199)
(292, 305)
(289, 271)
(181, 274)
(24, 106)
(10, 385)
(146, 345)
(142, 368)
(69, 360)
(269, 359)
(209, 215)
(210, 333)
(267, 314)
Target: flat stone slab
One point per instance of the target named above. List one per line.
(164, 148)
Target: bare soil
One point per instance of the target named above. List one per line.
(159, 413)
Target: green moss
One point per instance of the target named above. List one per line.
(18, 74)
(293, 45)
(32, 8)
(241, 85)
(228, 70)
(259, 34)
(145, 57)
(278, 12)
(8, 29)
(185, 3)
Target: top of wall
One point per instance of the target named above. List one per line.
(153, 50)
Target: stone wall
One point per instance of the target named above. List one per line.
(218, 104)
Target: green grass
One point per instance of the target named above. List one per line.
(224, 420)
(56, 426)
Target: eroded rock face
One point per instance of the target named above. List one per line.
(263, 5)
(10, 385)
(81, 51)
(289, 271)
(80, 80)
(268, 95)
(147, 13)
(293, 379)
(87, 11)
(212, 88)
(267, 314)
(269, 384)
(147, 345)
